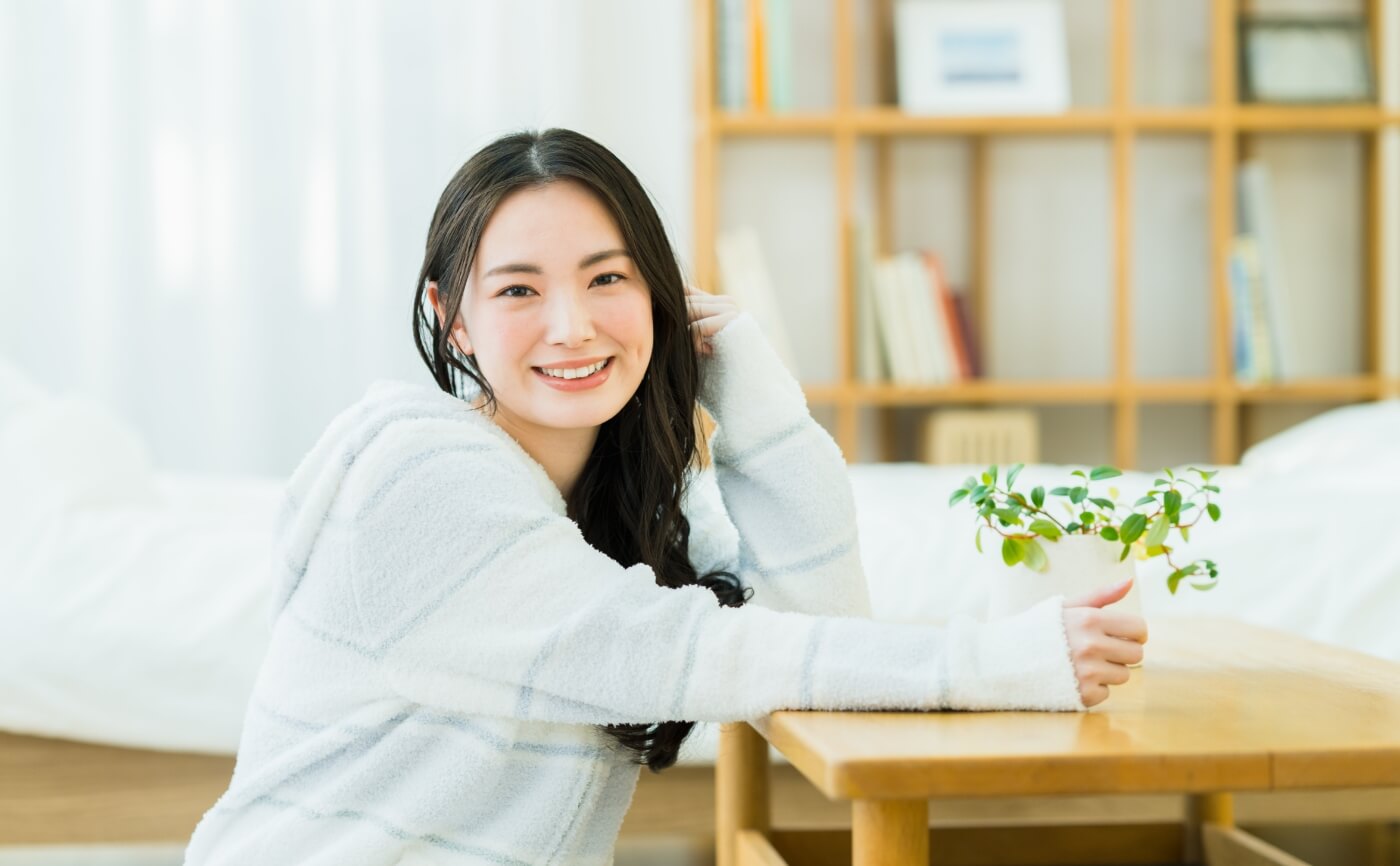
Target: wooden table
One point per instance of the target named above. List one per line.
(1217, 707)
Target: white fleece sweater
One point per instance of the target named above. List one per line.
(445, 642)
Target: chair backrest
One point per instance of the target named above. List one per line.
(982, 436)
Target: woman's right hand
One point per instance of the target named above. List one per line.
(1102, 643)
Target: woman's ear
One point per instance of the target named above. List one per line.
(459, 328)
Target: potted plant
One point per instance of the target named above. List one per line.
(1093, 545)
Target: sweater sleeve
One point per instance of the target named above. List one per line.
(476, 597)
(782, 480)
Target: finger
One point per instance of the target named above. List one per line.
(1102, 596)
(1124, 625)
(710, 325)
(1122, 652)
(1092, 693)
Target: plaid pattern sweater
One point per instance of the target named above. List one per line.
(445, 641)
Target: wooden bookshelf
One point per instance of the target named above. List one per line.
(1222, 122)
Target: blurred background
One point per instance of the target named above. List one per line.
(214, 212)
(1139, 232)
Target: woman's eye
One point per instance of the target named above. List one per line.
(506, 292)
(609, 282)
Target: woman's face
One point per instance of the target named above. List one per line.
(552, 294)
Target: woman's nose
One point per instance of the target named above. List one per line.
(570, 322)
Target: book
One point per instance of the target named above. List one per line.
(928, 340)
(758, 57)
(1260, 340)
(1241, 312)
(744, 275)
(954, 344)
(732, 50)
(898, 339)
(871, 361)
(969, 333)
(777, 27)
(1256, 220)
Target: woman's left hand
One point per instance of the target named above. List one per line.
(708, 316)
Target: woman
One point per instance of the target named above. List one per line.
(493, 608)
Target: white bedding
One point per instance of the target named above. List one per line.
(133, 606)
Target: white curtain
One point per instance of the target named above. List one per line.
(212, 212)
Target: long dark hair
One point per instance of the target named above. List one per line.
(627, 501)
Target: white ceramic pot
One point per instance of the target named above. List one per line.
(1079, 564)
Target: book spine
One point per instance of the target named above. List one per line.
(758, 61)
(732, 63)
(777, 26)
(869, 348)
(955, 346)
(923, 319)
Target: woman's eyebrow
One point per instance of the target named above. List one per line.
(525, 268)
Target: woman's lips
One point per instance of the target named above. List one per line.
(590, 381)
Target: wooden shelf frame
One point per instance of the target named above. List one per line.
(1226, 123)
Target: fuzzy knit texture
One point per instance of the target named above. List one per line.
(445, 642)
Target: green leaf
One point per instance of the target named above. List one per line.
(1158, 533)
(1209, 475)
(1102, 472)
(1212, 488)
(1124, 555)
(1180, 574)
(1045, 529)
(1011, 476)
(1086, 517)
(993, 473)
(1204, 586)
(977, 539)
(958, 496)
(1077, 494)
(1009, 515)
(1146, 500)
(1169, 474)
(1038, 496)
(1035, 557)
(1171, 501)
(1213, 510)
(1012, 551)
(1109, 533)
(1132, 528)
(1103, 503)
(1080, 473)
(1060, 491)
(987, 479)
(1185, 533)
(1073, 527)
(970, 482)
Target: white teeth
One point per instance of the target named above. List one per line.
(577, 373)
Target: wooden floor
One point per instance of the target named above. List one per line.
(58, 792)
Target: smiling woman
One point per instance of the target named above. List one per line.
(491, 610)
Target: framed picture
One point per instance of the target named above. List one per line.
(981, 56)
(1313, 60)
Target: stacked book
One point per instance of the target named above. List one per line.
(753, 41)
(912, 326)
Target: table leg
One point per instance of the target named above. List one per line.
(741, 787)
(889, 833)
(1202, 809)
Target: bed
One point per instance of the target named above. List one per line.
(133, 612)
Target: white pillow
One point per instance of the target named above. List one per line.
(1350, 436)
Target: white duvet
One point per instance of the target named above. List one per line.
(133, 607)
